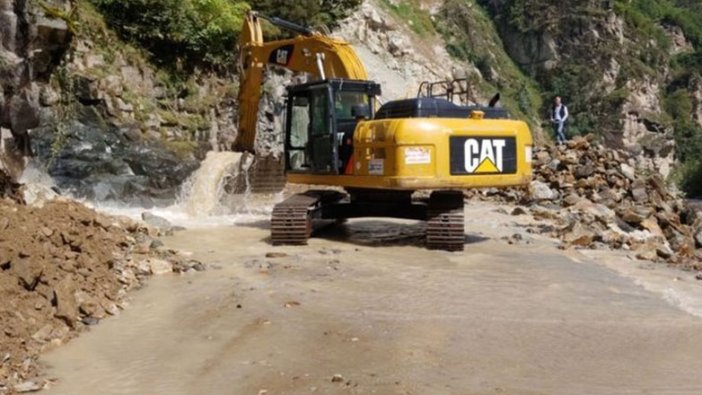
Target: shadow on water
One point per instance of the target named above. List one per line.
(371, 233)
(264, 224)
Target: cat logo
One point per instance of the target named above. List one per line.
(484, 155)
(472, 155)
(282, 55)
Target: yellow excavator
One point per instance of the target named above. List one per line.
(337, 134)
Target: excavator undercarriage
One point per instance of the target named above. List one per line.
(295, 219)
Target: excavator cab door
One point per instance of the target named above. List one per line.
(310, 138)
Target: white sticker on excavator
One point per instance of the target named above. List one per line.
(376, 167)
(417, 156)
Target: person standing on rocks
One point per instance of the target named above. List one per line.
(559, 116)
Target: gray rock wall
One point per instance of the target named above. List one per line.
(32, 46)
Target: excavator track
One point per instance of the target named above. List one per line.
(291, 221)
(445, 221)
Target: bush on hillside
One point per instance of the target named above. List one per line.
(176, 31)
(691, 178)
(204, 32)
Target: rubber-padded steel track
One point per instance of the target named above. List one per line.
(445, 221)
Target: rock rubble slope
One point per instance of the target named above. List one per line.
(590, 196)
(64, 267)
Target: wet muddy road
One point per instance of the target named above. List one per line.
(498, 318)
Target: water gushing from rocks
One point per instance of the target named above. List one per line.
(217, 194)
(203, 193)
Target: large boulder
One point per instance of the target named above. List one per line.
(97, 160)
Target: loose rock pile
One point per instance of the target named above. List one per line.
(64, 267)
(598, 199)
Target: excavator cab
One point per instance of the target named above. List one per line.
(321, 119)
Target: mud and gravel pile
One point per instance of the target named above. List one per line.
(64, 267)
(597, 198)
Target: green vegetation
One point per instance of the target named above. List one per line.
(65, 110)
(195, 32)
(647, 16)
(643, 54)
(410, 11)
(471, 36)
(68, 17)
(203, 33)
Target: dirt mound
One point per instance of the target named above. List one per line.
(598, 199)
(9, 188)
(64, 267)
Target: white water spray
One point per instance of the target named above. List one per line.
(221, 187)
(217, 194)
(38, 186)
(203, 193)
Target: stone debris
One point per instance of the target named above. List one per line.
(160, 223)
(273, 255)
(598, 200)
(28, 386)
(64, 267)
(337, 378)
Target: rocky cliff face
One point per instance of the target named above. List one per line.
(405, 44)
(106, 123)
(31, 45)
(88, 103)
(393, 55)
(612, 74)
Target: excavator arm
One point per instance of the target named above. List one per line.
(309, 52)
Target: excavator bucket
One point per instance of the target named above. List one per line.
(267, 175)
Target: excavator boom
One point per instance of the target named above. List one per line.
(310, 52)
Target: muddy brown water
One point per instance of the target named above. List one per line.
(524, 319)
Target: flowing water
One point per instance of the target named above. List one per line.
(217, 194)
(203, 194)
(365, 309)
(396, 319)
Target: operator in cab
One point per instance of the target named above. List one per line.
(351, 108)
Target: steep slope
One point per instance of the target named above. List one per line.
(406, 43)
(626, 68)
(114, 118)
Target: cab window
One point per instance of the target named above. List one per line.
(319, 112)
(300, 122)
(344, 103)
